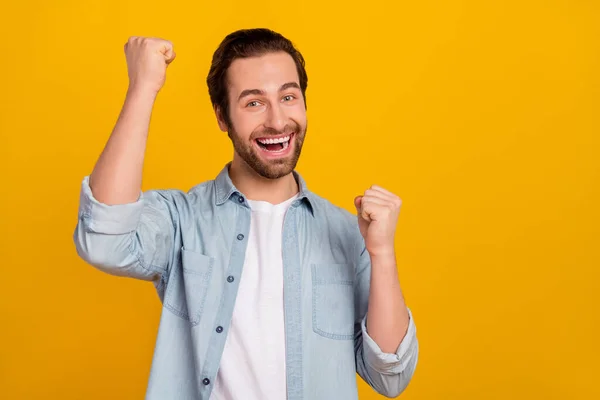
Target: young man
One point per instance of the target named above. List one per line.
(269, 291)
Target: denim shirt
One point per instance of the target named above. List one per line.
(192, 245)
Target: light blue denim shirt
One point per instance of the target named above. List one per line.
(192, 245)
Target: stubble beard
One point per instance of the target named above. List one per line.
(270, 169)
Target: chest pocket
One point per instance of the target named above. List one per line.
(333, 300)
(188, 285)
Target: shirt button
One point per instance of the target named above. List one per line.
(240, 236)
(241, 199)
(230, 279)
(206, 381)
(219, 329)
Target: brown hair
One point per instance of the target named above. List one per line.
(242, 44)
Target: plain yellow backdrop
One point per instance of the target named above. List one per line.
(483, 116)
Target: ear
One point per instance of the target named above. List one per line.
(222, 124)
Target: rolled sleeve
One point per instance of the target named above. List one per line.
(108, 219)
(391, 363)
(134, 239)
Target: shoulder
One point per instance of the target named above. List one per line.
(332, 212)
(202, 192)
(336, 220)
(197, 197)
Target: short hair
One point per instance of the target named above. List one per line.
(246, 43)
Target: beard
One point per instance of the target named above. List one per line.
(270, 169)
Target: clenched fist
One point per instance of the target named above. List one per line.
(378, 211)
(147, 61)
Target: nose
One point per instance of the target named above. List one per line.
(276, 118)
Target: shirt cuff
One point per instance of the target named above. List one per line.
(108, 219)
(390, 363)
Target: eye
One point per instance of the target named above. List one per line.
(253, 104)
(289, 97)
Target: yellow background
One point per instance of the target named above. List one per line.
(483, 116)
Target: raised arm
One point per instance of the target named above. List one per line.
(386, 345)
(121, 230)
(117, 176)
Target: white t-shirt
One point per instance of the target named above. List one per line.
(253, 362)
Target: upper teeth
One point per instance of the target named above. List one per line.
(274, 141)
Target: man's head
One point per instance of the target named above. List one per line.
(257, 85)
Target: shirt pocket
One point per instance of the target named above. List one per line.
(333, 300)
(188, 285)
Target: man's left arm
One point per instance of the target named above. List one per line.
(385, 341)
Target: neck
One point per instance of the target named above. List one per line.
(257, 187)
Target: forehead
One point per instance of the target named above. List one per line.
(266, 72)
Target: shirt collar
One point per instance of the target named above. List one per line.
(225, 189)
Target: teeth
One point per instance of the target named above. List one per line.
(274, 141)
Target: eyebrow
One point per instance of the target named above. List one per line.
(258, 92)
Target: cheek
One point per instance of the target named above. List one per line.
(243, 124)
(298, 114)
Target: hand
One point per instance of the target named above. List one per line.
(147, 61)
(378, 212)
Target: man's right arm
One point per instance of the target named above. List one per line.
(117, 175)
(120, 229)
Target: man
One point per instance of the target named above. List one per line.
(269, 291)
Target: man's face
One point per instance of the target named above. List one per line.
(267, 113)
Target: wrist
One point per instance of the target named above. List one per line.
(137, 90)
(383, 256)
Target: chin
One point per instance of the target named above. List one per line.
(274, 171)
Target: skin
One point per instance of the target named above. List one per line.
(117, 175)
(273, 107)
(387, 317)
(265, 111)
(275, 111)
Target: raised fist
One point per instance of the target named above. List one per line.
(147, 61)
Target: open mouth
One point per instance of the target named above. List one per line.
(275, 145)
